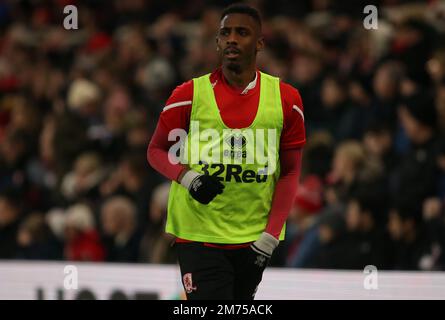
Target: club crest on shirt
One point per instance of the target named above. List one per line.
(188, 283)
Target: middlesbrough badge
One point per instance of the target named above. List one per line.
(188, 283)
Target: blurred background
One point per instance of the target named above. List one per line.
(78, 107)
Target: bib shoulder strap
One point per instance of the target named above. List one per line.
(269, 77)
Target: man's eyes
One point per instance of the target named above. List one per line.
(241, 32)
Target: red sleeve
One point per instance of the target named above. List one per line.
(177, 110)
(285, 190)
(175, 115)
(294, 133)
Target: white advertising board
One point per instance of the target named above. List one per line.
(58, 280)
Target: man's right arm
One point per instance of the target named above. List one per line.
(175, 115)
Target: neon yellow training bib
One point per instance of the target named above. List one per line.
(245, 160)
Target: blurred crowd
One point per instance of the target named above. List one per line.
(78, 107)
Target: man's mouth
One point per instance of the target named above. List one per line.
(231, 53)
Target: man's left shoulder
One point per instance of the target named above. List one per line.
(294, 132)
(290, 95)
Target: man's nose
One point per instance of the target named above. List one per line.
(232, 39)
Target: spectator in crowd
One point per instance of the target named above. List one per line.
(303, 240)
(10, 215)
(436, 66)
(14, 150)
(84, 99)
(138, 132)
(121, 237)
(307, 76)
(82, 241)
(157, 245)
(365, 222)
(386, 83)
(334, 250)
(318, 153)
(69, 127)
(434, 221)
(36, 241)
(352, 170)
(108, 133)
(417, 171)
(378, 144)
(341, 118)
(24, 117)
(41, 167)
(413, 42)
(83, 182)
(410, 243)
(133, 179)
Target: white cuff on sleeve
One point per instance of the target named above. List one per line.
(266, 244)
(188, 178)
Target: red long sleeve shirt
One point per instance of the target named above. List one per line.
(238, 107)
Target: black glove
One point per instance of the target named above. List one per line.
(253, 268)
(262, 249)
(203, 188)
(256, 262)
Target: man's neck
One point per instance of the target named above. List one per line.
(239, 80)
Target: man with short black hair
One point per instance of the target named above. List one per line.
(226, 212)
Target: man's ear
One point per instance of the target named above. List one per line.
(260, 44)
(217, 43)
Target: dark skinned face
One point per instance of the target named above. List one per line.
(238, 40)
